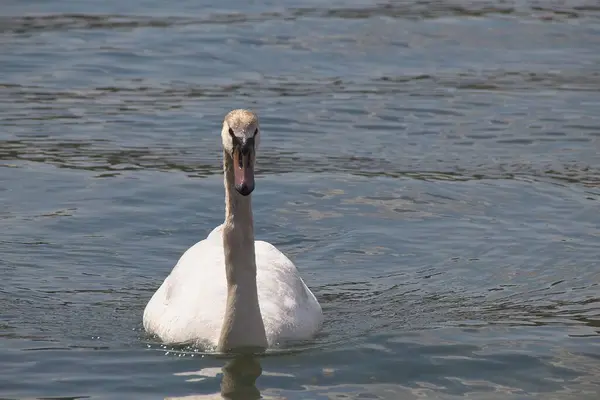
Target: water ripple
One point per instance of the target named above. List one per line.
(536, 10)
(431, 167)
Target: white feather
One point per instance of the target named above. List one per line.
(190, 304)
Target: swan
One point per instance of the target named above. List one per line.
(229, 291)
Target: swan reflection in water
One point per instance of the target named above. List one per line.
(239, 378)
(238, 381)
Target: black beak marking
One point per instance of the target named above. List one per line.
(246, 146)
(243, 145)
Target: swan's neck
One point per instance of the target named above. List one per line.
(243, 327)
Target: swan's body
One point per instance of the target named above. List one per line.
(229, 290)
(190, 304)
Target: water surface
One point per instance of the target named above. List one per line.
(432, 169)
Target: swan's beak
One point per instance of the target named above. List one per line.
(243, 167)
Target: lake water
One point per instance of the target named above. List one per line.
(432, 168)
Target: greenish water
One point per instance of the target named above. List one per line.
(432, 169)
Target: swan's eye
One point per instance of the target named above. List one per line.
(231, 131)
(255, 131)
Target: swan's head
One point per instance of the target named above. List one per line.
(241, 135)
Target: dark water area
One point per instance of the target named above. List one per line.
(431, 167)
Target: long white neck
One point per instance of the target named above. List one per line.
(243, 326)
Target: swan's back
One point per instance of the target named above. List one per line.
(190, 304)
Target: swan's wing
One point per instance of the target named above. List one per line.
(190, 303)
(289, 309)
(216, 234)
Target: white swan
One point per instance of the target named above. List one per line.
(229, 290)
